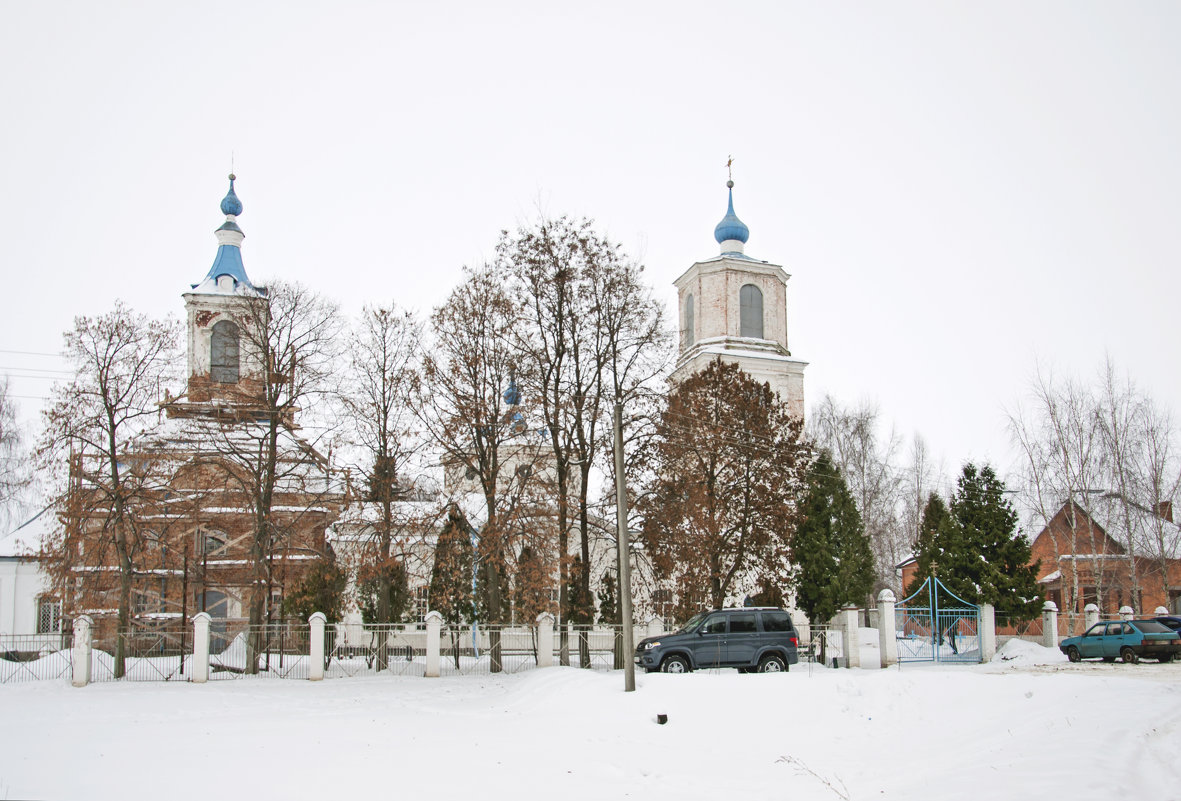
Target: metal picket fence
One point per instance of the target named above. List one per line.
(34, 657)
(369, 649)
(280, 650)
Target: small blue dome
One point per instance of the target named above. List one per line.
(230, 203)
(731, 227)
(512, 395)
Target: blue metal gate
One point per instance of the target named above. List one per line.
(936, 625)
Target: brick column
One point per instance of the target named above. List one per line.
(987, 632)
(1090, 616)
(80, 656)
(887, 634)
(1050, 624)
(849, 629)
(545, 640)
(434, 624)
(201, 622)
(316, 646)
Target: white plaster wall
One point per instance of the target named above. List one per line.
(21, 582)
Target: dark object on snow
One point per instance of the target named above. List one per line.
(662, 719)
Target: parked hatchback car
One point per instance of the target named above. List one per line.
(751, 639)
(1172, 621)
(1128, 640)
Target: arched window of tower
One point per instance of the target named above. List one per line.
(688, 338)
(750, 301)
(223, 362)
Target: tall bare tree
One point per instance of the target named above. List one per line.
(1061, 446)
(868, 467)
(470, 405)
(14, 473)
(121, 362)
(590, 327)
(384, 352)
(294, 332)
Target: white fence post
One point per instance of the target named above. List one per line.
(1090, 615)
(316, 646)
(655, 627)
(434, 624)
(987, 632)
(1126, 613)
(80, 655)
(851, 630)
(545, 640)
(201, 647)
(1050, 624)
(887, 634)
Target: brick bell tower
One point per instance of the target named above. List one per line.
(735, 307)
(225, 367)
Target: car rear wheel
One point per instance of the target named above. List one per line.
(1073, 655)
(1128, 655)
(772, 663)
(675, 664)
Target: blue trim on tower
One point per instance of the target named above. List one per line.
(229, 262)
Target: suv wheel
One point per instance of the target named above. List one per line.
(772, 663)
(676, 664)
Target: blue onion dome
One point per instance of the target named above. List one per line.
(731, 227)
(512, 395)
(230, 203)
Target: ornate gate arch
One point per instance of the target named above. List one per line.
(936, 625)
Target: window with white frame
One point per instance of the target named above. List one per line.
(422, 603)
(49, 615)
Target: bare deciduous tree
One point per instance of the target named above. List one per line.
(590, 328)
(868, 467)
(469, 404)
(121, 362)
(294, 333)
(384, 355)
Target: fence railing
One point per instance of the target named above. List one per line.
(34, 657)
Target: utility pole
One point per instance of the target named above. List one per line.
(625, 573)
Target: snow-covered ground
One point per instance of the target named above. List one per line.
(1027, 725)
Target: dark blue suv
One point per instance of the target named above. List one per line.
(752, 639)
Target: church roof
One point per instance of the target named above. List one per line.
(731, 229)
(228, 261)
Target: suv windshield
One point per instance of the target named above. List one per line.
(692, 625)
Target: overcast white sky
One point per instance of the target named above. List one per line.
(958, 190)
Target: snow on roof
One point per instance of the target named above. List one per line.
(1057, 574)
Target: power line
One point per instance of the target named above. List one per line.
(33, 353)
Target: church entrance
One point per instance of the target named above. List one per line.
(936, 625)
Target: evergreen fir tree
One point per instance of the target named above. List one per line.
(531, 587)
(988, 560)
(580, 606)
(451, 577)
(830, 551)
(938, 535)
(369, 589)
(321, 589)
(608, 611)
